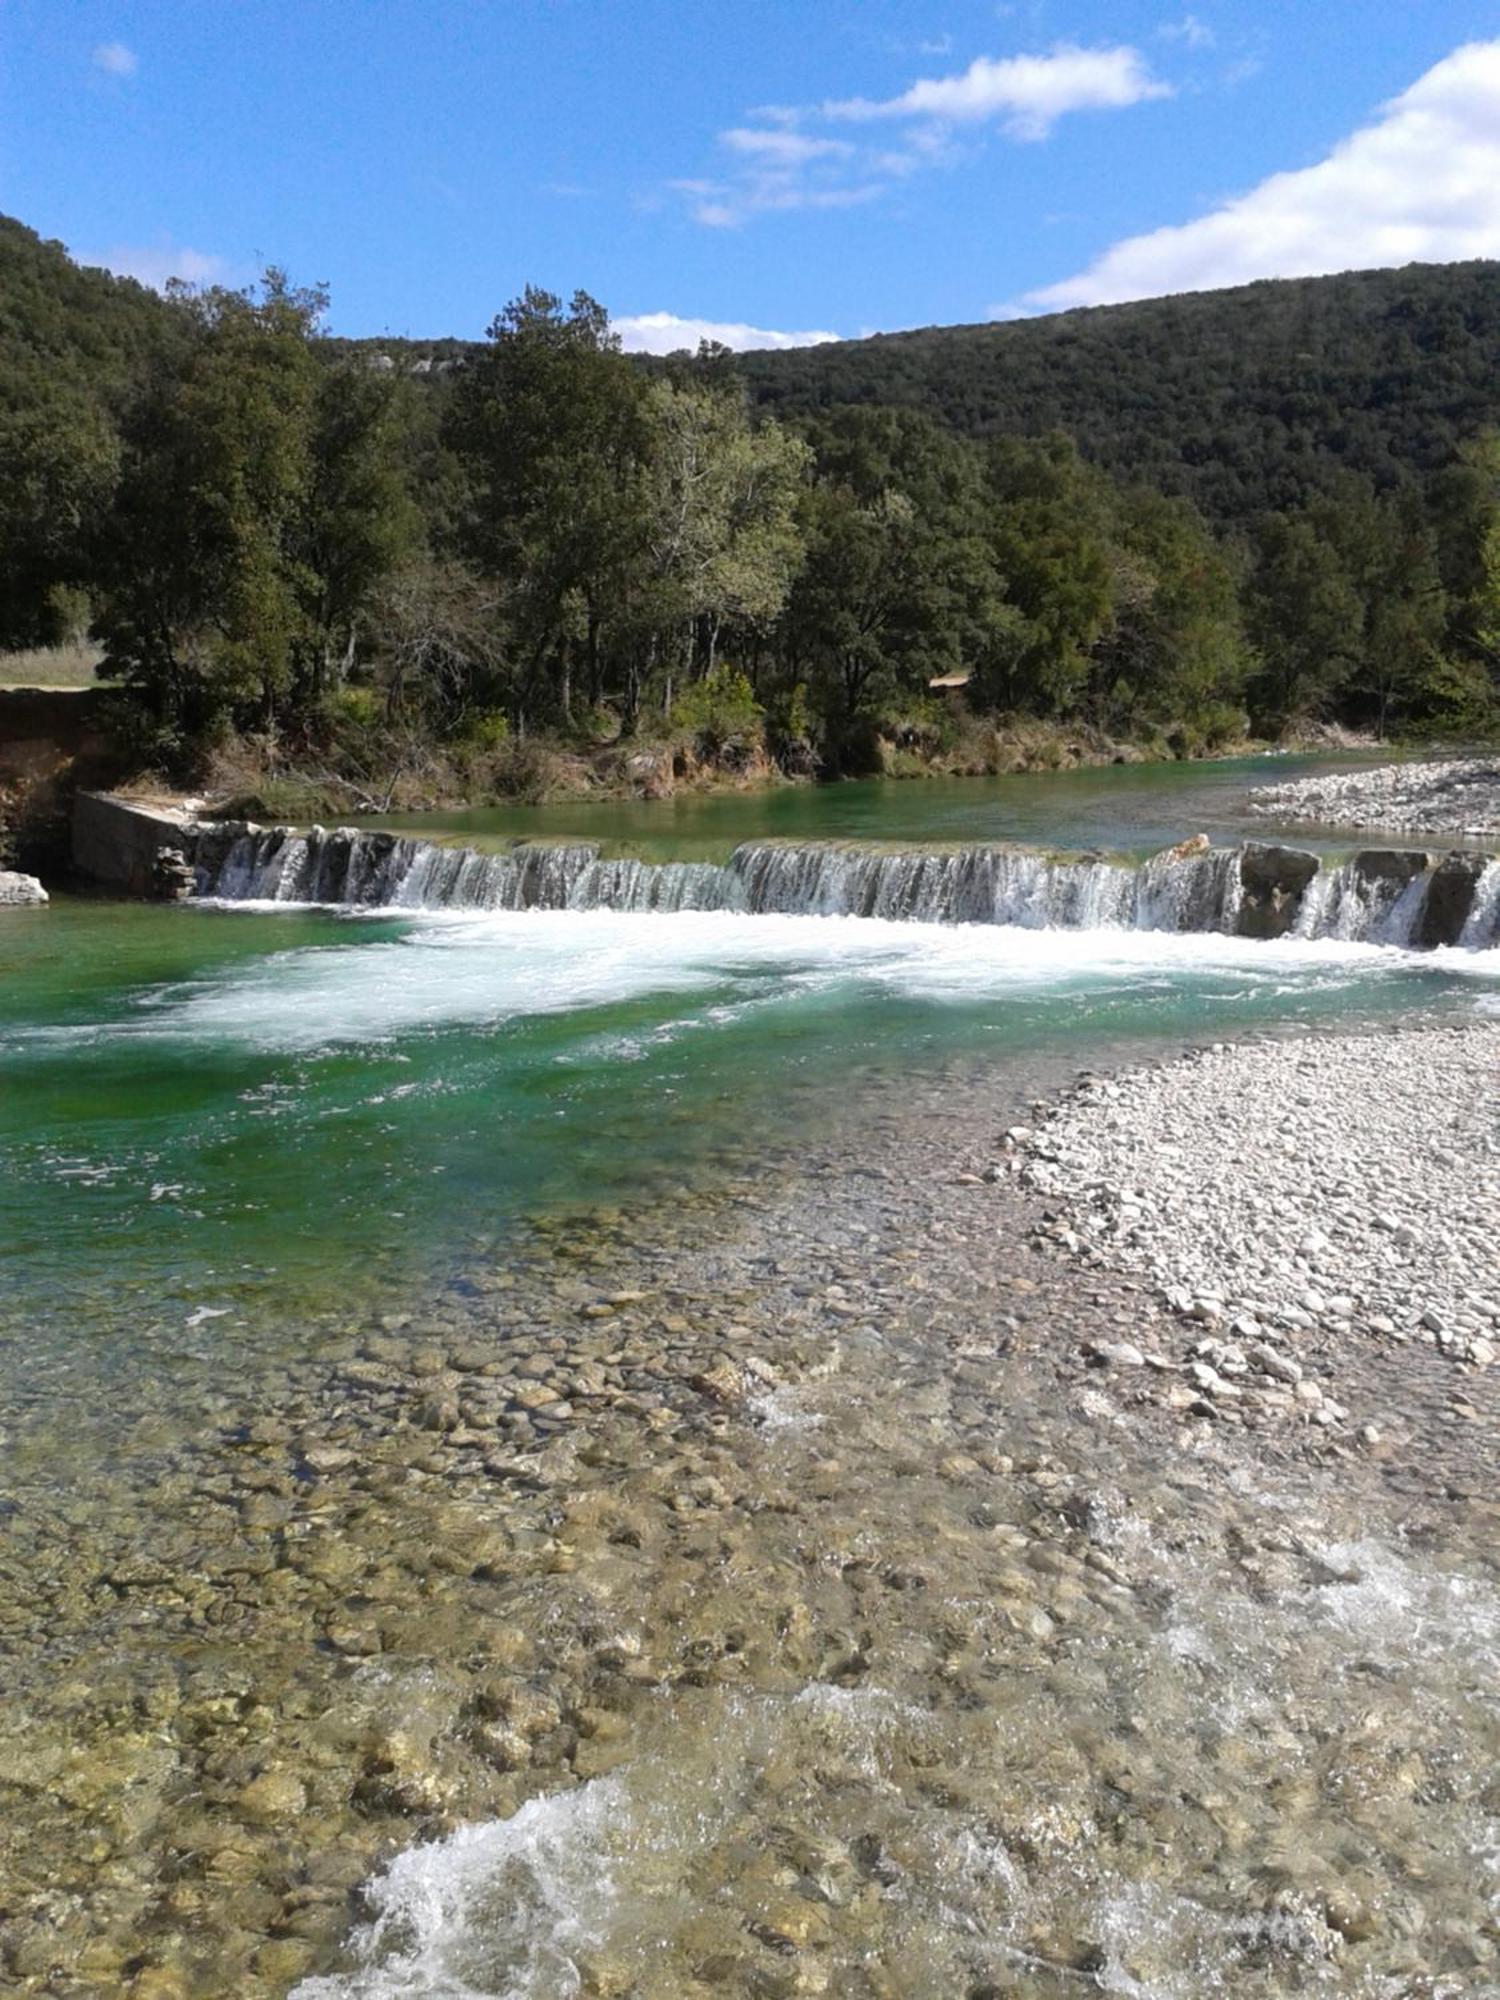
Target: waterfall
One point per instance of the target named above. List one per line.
(1482, 926)
(1398, 897)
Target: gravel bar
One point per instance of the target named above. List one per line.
(1455, 797)
(1288, 1198)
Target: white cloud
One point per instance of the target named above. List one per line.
(1190, 31)
(779, 161)
(665, 333)
(1420, 184)
(115, 59)
(783, 147)
(779, 169)
(1028, 94)
(153, 264)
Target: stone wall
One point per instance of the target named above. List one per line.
(136, 846)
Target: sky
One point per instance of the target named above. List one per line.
(764, 172)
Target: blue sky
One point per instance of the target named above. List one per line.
(835, 166)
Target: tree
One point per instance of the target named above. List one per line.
(1048, 534)
(722, 535)
(357, 524)
(1303, 615)
(552, 423)
(207, 582)
(59, 458)
(898, 586)
(1464, 508)
(1174, 651)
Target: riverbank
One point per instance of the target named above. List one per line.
(1291, 1203)
(1457, 796)
(244, 781)
(774, 1582)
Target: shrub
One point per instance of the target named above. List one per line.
(719, 711)
(487, 731)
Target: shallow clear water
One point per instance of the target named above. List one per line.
(1124, 808)
(877, 1718)
(212, 1119)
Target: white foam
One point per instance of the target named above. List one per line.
(487, 970)
(500, 1908)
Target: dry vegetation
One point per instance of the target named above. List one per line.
(71, 666)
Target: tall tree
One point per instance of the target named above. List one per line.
(204, 603)
(722, 533)
(1048, 532)
(898, 586)
(1174, 651)
(1304, 616)
(357, 523)
(551, 421)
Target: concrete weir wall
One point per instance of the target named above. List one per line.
(138, 846)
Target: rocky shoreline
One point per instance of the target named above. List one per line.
(813, 1530)
(1288, 1200)
(1458, 796)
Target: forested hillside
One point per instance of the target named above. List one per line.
(1244, 400)
(428, 568)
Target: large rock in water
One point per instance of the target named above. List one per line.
(1449, 899)
(19, 891)
(1273, 881)
(1395, 866)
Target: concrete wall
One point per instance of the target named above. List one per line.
(124, 844)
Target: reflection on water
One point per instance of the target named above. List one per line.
(1127, 809)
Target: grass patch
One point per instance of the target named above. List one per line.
(50, 667)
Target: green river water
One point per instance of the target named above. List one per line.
(1118, 809)
(212, 1120)
(236, 1144)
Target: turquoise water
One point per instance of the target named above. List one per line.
(215, 1126)
(262, 1170)
(1126, 808)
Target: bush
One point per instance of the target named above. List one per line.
(487, 731)
(718, 712)
(528, 771)
(364, 707)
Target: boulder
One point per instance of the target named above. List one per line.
(1273, 881)
(1398, 865)
(1449, 899)
(19, 891)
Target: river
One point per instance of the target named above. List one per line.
(304, 1579)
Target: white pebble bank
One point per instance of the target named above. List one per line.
(1455, 797)
(1286, 1190)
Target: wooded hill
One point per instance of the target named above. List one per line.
(1168, 522)
(1244, 400)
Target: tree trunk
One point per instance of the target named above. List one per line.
(596, 679)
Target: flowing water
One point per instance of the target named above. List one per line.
(1378, 896)
(372, 1513)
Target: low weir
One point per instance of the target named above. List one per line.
(1393, 896)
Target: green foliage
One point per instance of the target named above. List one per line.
(488, 730)
(204, 584)
(74, 346)
(258, 508)
(1166, 521)
(719, 710)
(354, 707)
(1249, 400)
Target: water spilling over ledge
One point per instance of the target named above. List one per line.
(1392, 896)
